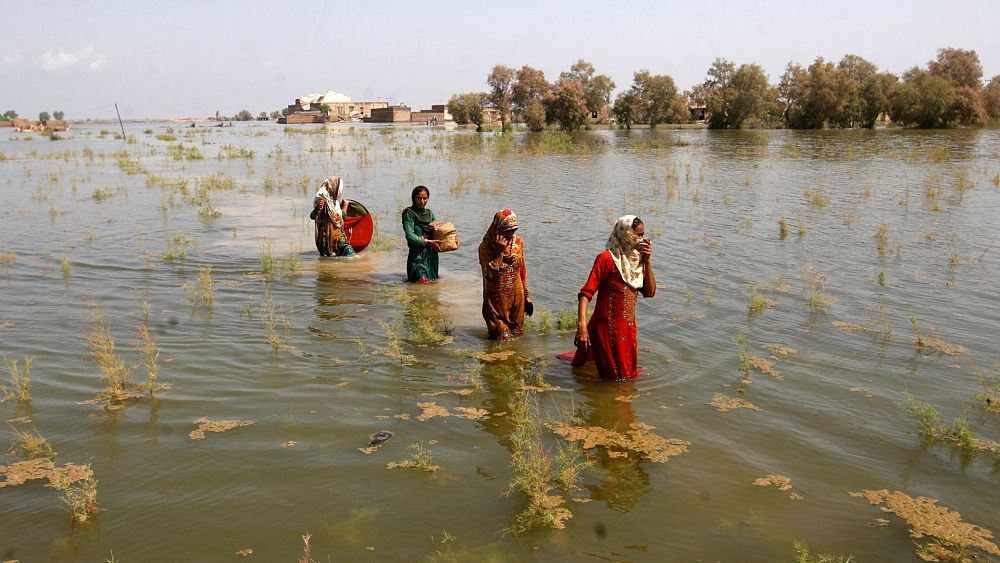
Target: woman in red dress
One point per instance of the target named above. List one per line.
(619, 275)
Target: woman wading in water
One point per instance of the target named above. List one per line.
(505, 279)
(328, 213)
(422, 260)
(619, 275)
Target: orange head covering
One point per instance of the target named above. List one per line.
(504, 222)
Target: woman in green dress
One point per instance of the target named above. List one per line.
(422, 261)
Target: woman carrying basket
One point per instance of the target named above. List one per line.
(422, 260)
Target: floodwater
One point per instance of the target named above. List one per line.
(78, 232)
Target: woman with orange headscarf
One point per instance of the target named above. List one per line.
(505, 279)
(328, 213)
(619, 275)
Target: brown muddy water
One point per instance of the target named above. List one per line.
(92, 221)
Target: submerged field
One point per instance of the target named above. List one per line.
(826, 324)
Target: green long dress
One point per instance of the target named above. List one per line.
(422, 261)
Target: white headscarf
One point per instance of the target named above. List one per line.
(623, 246)
(333, 192)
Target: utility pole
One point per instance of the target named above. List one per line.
(120, 123)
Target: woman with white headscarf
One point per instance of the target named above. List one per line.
(619, 275)
(328, 213)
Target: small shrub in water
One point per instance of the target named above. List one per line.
(783, 227)
(802, 555)
(20, 379)
(80, 499)
(201, 292)
(102, 352)
(928, 417)
(882, 236)
(268, 263)
(756, 302)
(567, 320)
(31, 445)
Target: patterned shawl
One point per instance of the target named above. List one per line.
(504, 220)
(622, 244)
(333, 192)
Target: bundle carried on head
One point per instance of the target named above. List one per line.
(445, 233)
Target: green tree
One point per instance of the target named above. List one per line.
(530, 86)
(10, 114)
(534, 115)
(566, 104)
(467, 108)
(816, 97)
(969, 107)
(627, 108)
(325, 109)
(734, 95)
(958, 66)
(596, 89)
(243, 115)
(991, 98)
(501, 83)
(855, 70)
(924, 100)
(874, 97)
(792, 94)
(658, 99)
(44, 116)
(58, 115)
(275, 114)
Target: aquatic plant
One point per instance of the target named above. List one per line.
(129, 166)
(180, 151)
(30, 445)
(102, 351)
(20, 379)
(164, 136)
(802, 555)
(756, 302)
(64, 265)
(990, 383)
(882, 278)
(289, 263)
(276, 326)
(533, 470)
(80, 499)
(946, 536)
(177, 247)
(306, 549)
(229, 151)
(421, 459)
(783, 228)
(931, 341)
(568, 320)
(6, 256)
(473, 376)
(879, 317)
(744, 354)
(815, 284)
(927, 416)
(150, 358)
(268, 263)
(817, 197)
(882, 236)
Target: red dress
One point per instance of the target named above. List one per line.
(614, 345)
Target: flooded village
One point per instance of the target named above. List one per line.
(196, 369)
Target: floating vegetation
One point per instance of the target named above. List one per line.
(20, 380)
(229, 151)
(268, 263)
(780, 351)
(931, 342)
(420, 459)
(21, 472)
(947, 537)
(852, 327)
(990, 383)
(722, 403)
(783, 228)
(638, 440)
(764, 366)
(432, 409)
(781, 482)
(817, 197)
(129, 166)
(207, 425)
(65, 265)
(177, 247)
(568, 320)
(802, 555)
(491, 357)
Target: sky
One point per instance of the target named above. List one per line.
(159, 59)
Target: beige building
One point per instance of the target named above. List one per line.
(309, 108)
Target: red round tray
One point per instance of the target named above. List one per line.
(359, 225)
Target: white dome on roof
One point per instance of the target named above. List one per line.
(334, 96)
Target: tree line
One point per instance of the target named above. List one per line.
(43, 116)
(852, 93)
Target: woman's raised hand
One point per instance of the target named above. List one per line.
(645, 248)
(503, 241)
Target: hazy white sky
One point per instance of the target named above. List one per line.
(191, 58)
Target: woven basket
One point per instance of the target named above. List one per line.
(445, 233)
